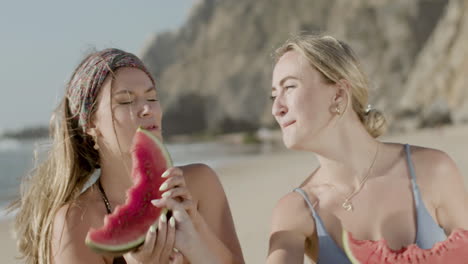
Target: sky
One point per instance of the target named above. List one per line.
(41, 42)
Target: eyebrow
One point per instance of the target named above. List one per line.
(285, 79)
(152, 88)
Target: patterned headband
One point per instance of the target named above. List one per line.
(87, 80)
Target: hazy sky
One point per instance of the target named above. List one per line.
(43, 41)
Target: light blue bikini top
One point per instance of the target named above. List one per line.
(428, 232)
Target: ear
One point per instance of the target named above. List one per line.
(342, 92)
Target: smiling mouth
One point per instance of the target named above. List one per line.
(288, 124)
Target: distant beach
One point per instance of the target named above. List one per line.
(254, 180)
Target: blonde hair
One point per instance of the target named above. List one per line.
(336, 61)
(52, 184)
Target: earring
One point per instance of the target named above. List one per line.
(96, 146)
(337, 110)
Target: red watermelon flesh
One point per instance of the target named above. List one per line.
(453, 250)
(126, 228)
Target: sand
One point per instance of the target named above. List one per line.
(254, 185)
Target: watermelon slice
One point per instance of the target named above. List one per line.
(125, 229)
(453, 250)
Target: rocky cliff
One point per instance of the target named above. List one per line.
(214, 73)
(436, 90)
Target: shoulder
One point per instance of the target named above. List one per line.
(203, 182)
(71, 220)
(292, 224)
(70, 226)
(200, 175)
(438, 172)
(292, 213)
(198, 170)
(434, 165)
(429, 155)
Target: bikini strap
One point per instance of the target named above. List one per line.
(414, 185)
(321, 231)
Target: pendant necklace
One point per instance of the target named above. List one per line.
(347, 204)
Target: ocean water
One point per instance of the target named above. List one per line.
(16, 160)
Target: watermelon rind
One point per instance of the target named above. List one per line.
(347, 249)
(115, 250)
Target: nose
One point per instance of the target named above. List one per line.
(279, 108)
(145, 111)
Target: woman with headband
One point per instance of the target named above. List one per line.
(87, 172)
(404, 194)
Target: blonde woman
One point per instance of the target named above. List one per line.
(404, 194)
(87, 173)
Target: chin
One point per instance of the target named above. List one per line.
(290, 143)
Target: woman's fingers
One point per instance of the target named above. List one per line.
(170, 240)
(174, 181)
(177, 258)
(161, 238)
(159, 241)
(146, 250)
(172, 172)
(178, 192)
(178, 209)
(173, 205)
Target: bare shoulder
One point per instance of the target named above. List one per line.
(291, 225)
(435, 166)
(70, 226)
(425, 154)
(438, 173)
(206, 188)
(292, 213)
(198, 170)
(200, 178)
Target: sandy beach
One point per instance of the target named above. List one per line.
(8, 249)
(255, 184)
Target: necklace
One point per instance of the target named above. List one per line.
(104, 197)
(347, 205)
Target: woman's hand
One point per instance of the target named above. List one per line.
(158, 245)
(187, 239)
(176, 188)
(160, 242)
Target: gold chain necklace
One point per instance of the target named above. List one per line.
(347, 205)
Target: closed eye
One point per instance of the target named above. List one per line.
(272, 98)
